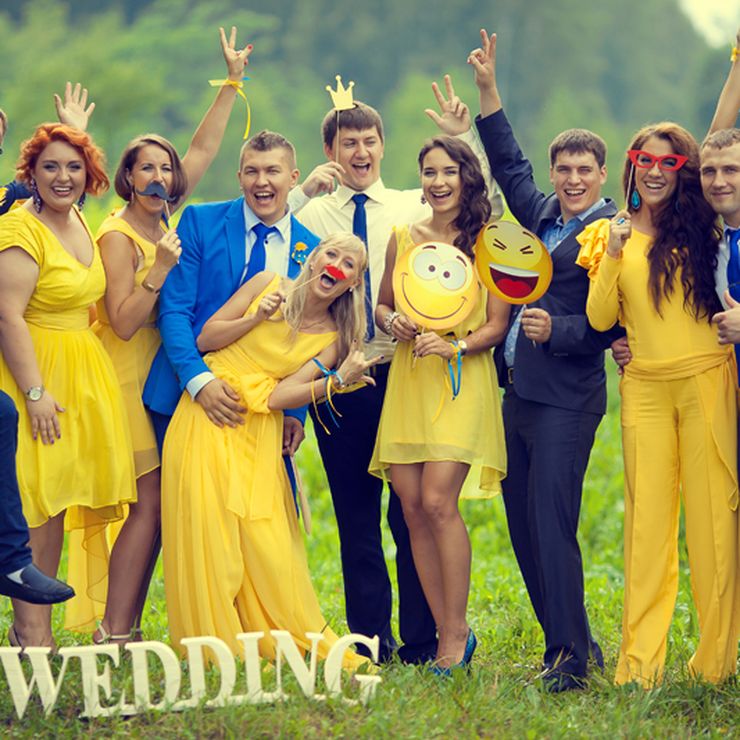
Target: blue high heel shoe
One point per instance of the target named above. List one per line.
(470, 645)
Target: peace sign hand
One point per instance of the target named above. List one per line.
(352, 370)
(236, 59)
(455, 118)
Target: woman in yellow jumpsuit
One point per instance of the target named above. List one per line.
(652, 268)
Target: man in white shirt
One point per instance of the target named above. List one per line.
(362, 204)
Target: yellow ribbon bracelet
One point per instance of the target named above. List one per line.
(734, 54)
(238, 85)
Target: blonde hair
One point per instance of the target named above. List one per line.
(348, 309)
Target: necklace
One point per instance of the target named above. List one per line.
(311, 324)
(139, 227)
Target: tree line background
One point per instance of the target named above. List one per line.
(607, 66)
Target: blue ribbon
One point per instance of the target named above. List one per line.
(327, 374)
(455, 375)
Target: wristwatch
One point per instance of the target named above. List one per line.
(35, 392)
(463, 347)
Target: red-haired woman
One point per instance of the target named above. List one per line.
(74, 451)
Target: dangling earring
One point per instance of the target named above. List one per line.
(35, 197)
(635, 200)
(423, 199)
(81, 201)
(351, 290)
(132, 196)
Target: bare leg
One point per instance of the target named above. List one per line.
(441, 483)
(131, 560)
(32, 622)
(406, 480)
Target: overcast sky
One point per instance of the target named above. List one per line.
(718, 20)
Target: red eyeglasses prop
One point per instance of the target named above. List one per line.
(335, 272)
(666, 162)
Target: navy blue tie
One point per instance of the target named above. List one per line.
(359, 228)
(733, 274)
(257, 256)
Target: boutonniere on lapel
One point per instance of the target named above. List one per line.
(299, 253)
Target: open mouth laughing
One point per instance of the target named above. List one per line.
(513, 282)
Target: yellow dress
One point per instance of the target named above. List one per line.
(89, 471)
(420, 421)
(132, 359)
(679, 443)
(234, 559)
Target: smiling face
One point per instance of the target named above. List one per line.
(434, 285)
(153, 165)
(266, 178)
(360, 153)
(512, 262)
(577, 179)
(60, 175)
(655, 185)
(720, 181)
(440, 181)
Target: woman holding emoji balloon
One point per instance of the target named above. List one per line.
(442, 411)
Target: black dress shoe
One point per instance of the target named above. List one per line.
(35, 587)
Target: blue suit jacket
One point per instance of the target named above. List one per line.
(211, 265)
(568, 370)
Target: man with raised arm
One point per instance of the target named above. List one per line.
(363, 205)
(552, 368)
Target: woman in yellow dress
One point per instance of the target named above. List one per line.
(138, 252)
(233, 553)
(652, 268)
(426, 441)
(74, 452)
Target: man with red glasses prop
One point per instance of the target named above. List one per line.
(552, 369)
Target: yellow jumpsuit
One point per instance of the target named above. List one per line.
(679, 434)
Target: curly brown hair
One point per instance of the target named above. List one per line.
(475, 210)
(96, 182)
(687, 234)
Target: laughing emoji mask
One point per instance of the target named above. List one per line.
(512, 262)
(434, 284)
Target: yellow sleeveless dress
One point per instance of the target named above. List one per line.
(89, 471)
(420, 421)
(133, 358)
(234, 559)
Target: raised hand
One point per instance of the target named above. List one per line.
(483, 61)
(354, 367)
(620, 229)
(169, 250)
(74, 111)
(455, 115)
(269, 304)
(321, 179)
(236, 59)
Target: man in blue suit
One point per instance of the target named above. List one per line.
(223, 245)
(551, 366)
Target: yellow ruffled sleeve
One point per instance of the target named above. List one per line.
(593, 240)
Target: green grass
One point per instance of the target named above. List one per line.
(499, 698)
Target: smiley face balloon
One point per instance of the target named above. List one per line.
(434, 284)
(512, 262)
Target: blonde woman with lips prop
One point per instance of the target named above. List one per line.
(138, 252)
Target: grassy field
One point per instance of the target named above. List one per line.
(500, 697)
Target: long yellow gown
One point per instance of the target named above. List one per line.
(679, 442)
(132, 359)
(421, 422)
(234, 559)
(89, 471)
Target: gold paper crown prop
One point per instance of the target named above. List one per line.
(342, 96)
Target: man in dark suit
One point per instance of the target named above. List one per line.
(223, 246)
(552, 368)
